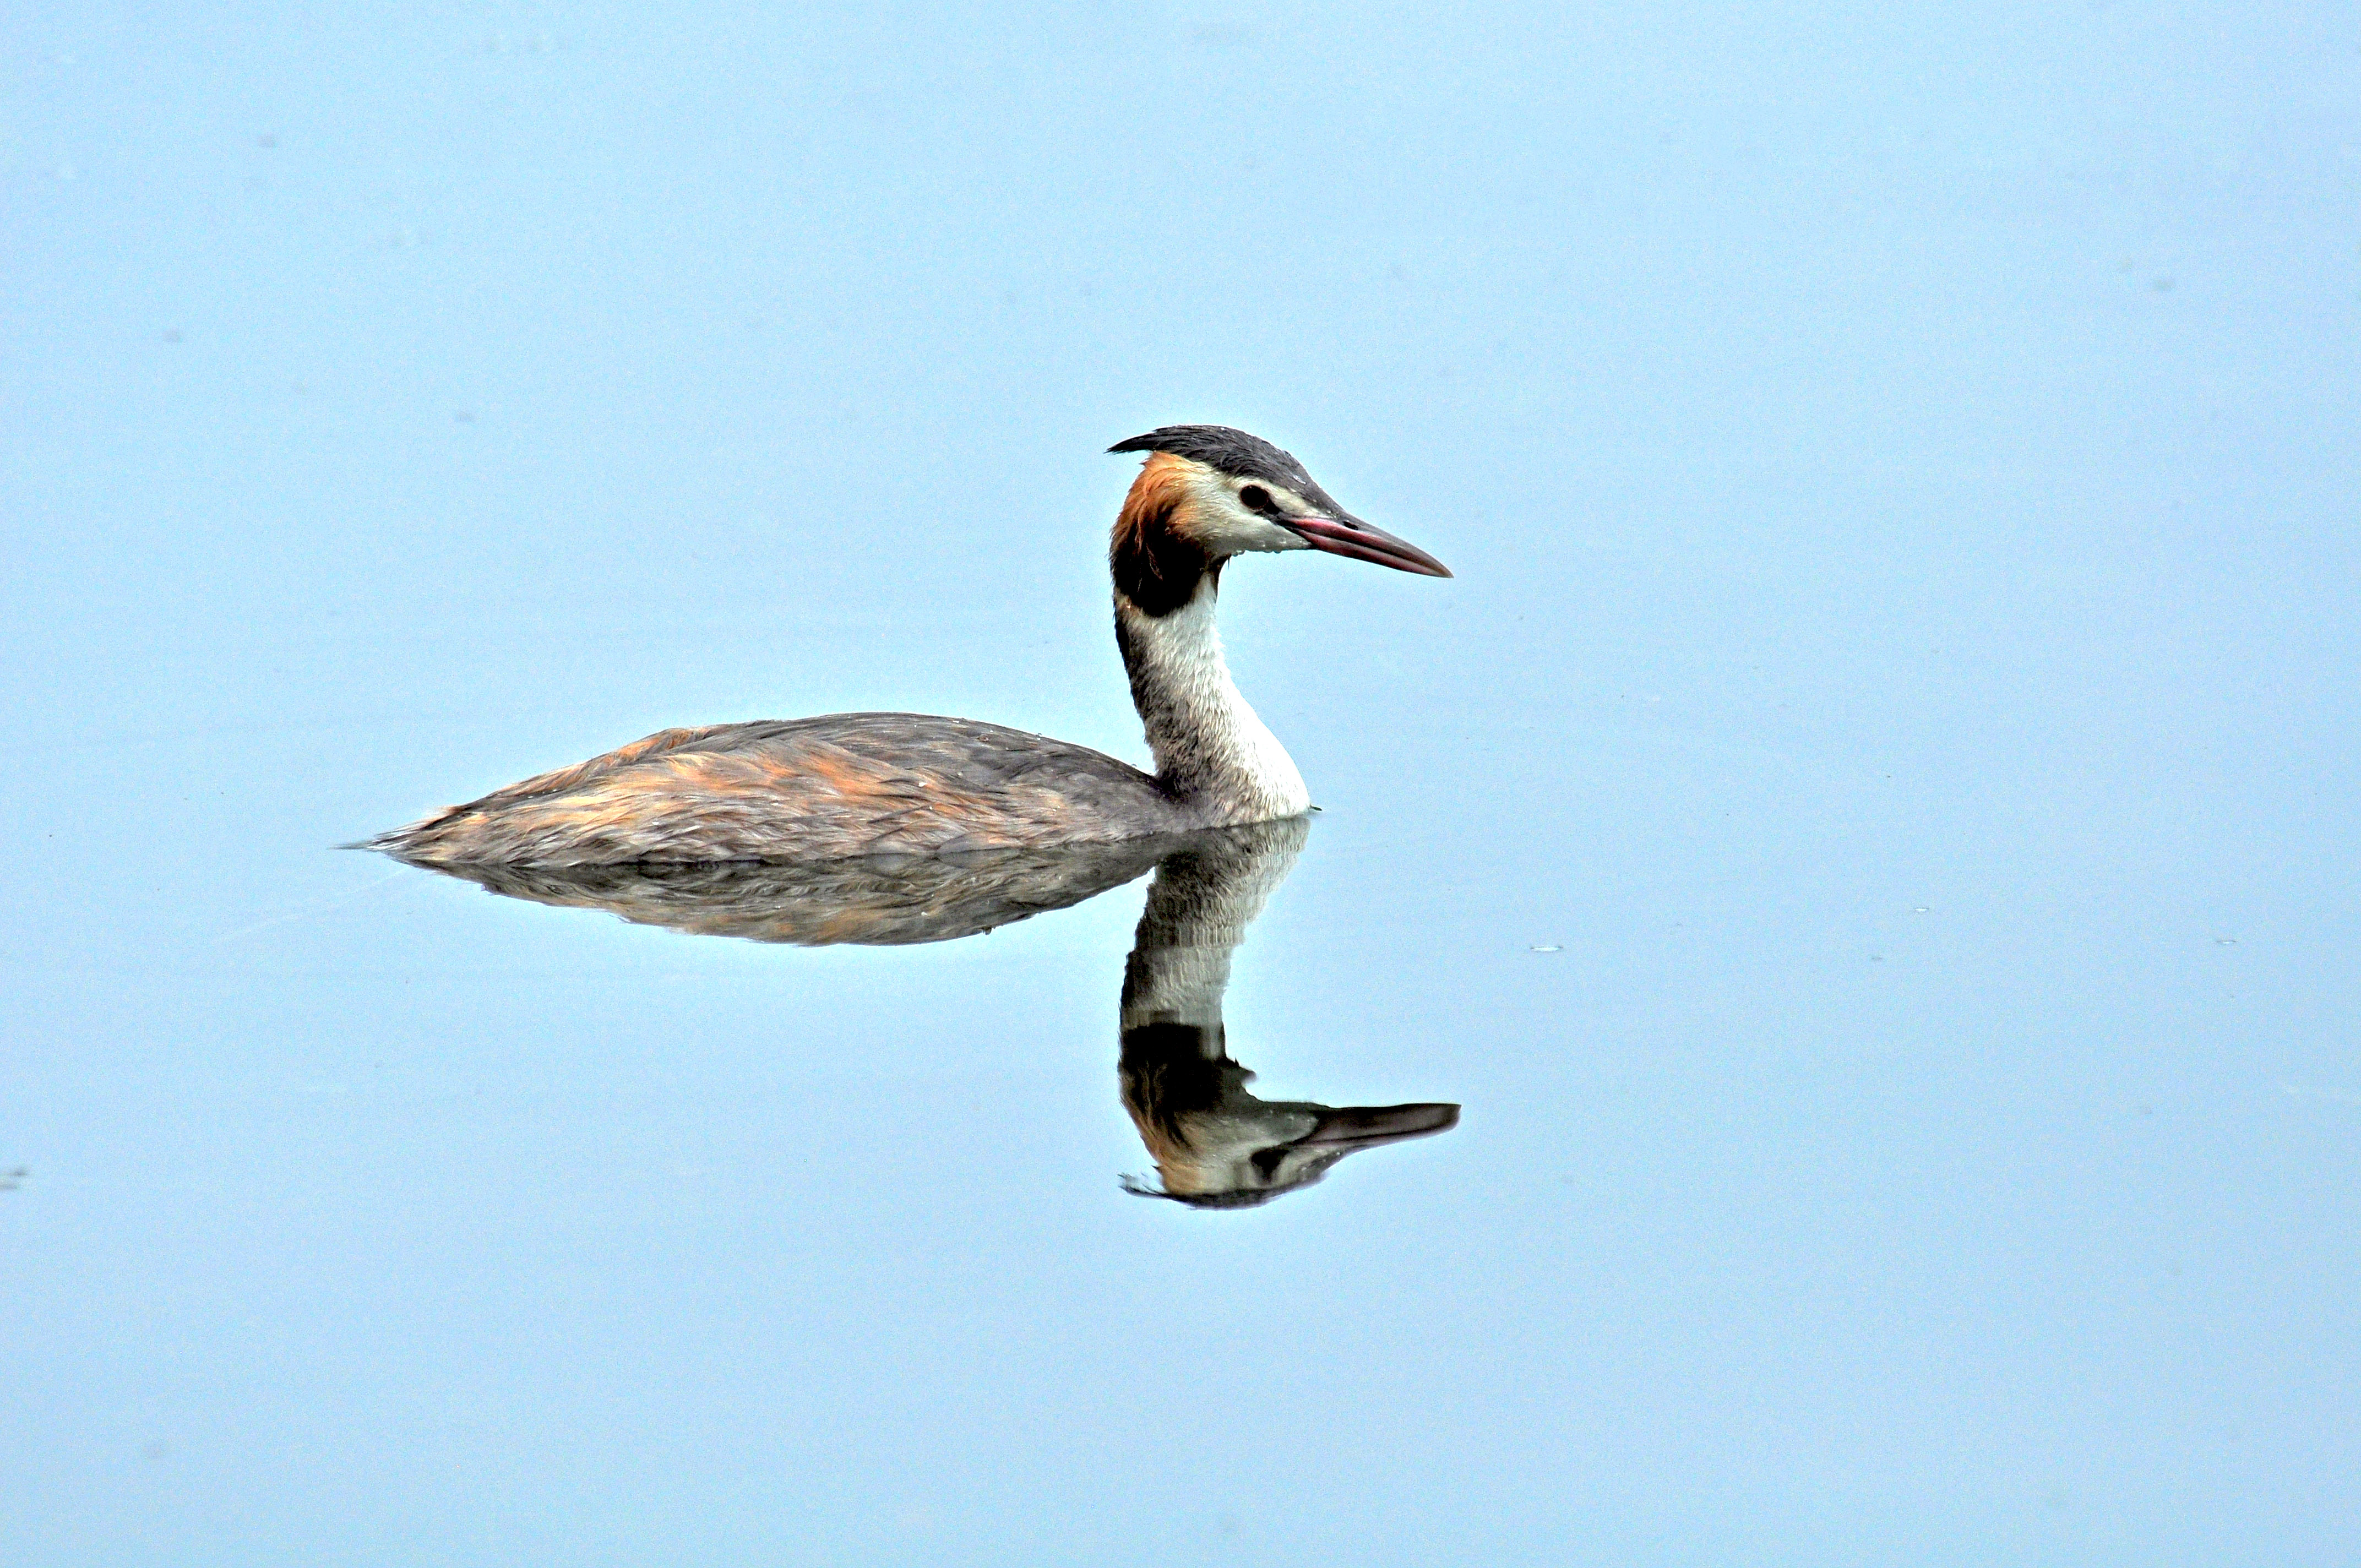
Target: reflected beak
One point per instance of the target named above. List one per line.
(1366, 1126)
(1348, 536)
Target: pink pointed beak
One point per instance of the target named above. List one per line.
(1348, 536)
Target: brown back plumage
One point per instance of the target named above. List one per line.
(806, 789)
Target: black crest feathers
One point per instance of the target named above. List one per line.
(1232, 452)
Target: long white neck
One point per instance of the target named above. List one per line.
(1211, 750)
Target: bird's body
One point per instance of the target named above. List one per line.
(865, 784)
(845, 783)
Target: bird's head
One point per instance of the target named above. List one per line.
(1208, 492)
(1217, 1146)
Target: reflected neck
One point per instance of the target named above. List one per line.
(1199, 906)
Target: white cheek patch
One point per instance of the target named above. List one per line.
(1225, 525)
(1261, 534)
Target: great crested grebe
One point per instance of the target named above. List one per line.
(867, 783)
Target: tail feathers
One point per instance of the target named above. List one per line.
(411, 841)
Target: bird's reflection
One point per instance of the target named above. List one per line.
(878, 901)
(1216, 1144)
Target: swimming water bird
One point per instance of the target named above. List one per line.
(866, 783)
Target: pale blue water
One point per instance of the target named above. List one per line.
(1867, 836)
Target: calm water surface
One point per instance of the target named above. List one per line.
(1866, 841)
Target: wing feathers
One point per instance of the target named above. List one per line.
(802, 789)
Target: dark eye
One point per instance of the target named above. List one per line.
(1256, 498)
